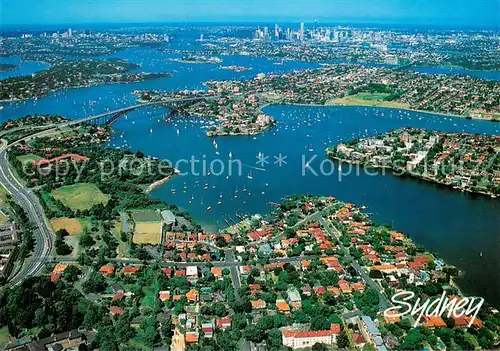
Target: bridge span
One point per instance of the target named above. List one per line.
(109, 117)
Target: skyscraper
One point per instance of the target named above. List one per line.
(266, 33)
(302, 31)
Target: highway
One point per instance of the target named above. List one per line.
(41, 228)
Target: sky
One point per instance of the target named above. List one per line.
(460, 13)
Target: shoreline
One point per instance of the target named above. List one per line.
(160, 182)
(444, 114)
(335, 104)
(81, 87)
(410, 174)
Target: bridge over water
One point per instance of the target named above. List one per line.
(109, 117)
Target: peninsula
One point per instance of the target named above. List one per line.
(72, 74)
(239, 108)
(467, 162)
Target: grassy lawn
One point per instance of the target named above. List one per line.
(72, 225)
(29, 158)
(122, 247)
(373, 96)
(80, 196)
(3, 203)
(146, 216)
(367, 99)
(4, 337)
(150, 295)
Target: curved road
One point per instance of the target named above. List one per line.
(41, 228)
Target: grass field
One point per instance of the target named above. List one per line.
(367, 99)
(147, 238)
(373, 96)
(72, 225)
(3, 195)
(80, 196)
(4, 337)
(146, 216)
(29, 158)
(122, 246)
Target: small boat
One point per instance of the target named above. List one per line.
(219, 203)
(209, 208)
(230, 154)
(249, 176)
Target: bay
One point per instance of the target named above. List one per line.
(458, 226)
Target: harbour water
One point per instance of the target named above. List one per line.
(458, 226)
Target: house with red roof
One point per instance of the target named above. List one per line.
(107, 270)
(114, 310)
(130, 270)
(223, 323)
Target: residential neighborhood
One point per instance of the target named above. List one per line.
(325, 276)
(467, 162)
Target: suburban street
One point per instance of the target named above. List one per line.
(334, 233)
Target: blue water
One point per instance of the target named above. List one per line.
(24, 67)
(443, 220)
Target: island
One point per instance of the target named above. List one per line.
(5, 67)
(236, 68)
(72, 74)
(466, 162)
(194, 59)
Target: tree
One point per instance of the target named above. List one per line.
(71, 273)
(148, 332)
(106, 338)
(319, 347)
(320, 322)
(274, 339)
(94, 284)
(123, 330)
(86, 240)
(166, 328)
(243, 305)
(220, 241)
(220, 309)
(254, 334)
(343, 340)
(62, 248)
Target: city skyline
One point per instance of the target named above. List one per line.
(423, 12)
